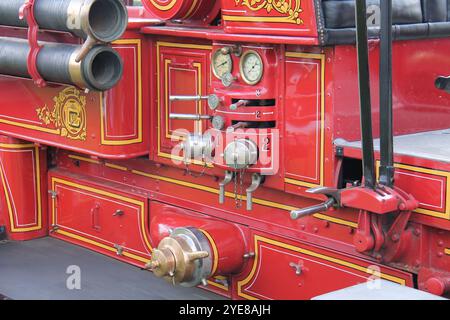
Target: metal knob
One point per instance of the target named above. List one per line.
(228, 79)
(236, 50)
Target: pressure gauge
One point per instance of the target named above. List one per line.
(252, 67)
(222, 63)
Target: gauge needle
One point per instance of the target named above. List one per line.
(223, 63)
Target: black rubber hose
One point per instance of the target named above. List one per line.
(105, 20)
(100, 70)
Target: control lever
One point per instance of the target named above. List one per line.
(187, 116)
(228, 178)
(240, 103)
(333, 199)
(256, 182)
(236, 126)
(300, 213)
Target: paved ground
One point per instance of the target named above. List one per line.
(37, 270)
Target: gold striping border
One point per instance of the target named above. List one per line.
(307, 252)
(321, 57)
(132, 201)
(140, 134)
(160, 44)
(38, 188)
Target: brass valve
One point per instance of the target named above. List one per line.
(181, 259)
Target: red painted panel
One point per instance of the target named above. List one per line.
(418, 105)
(299, 268)
(23, 192)
(292, 18)
(183, 70)
(64, 116)
(303, 119)
(183, 82)
(429, 190)
(100, 217)
(121, 113)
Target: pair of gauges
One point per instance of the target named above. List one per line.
(251, 66)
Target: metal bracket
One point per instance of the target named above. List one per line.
(119, 249)
(54, 228)
(297, 267)
(256, 182)
(228, 178)
(27, 12)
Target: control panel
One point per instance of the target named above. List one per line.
(242, 135)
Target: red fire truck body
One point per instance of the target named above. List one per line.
(273, 82)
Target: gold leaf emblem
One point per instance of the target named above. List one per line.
(68, 114)
(290, 9)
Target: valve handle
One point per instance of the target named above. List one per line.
(304, 212)
(186, 116)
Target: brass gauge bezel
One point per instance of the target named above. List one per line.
(241, 67)
(213, 65)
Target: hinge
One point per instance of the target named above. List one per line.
(53, 194)
(119, 249)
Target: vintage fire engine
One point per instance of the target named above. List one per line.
(264, 149)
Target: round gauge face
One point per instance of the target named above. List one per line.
(222, 64)
(252, 67)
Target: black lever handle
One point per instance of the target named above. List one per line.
(443, 83)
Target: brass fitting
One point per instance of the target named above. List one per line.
(182, 258)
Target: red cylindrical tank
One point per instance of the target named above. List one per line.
(227, 240)
(204, 10)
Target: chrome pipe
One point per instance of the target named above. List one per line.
(186, 116)
(188, 98)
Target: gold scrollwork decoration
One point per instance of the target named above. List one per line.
(291, 9)
(68, 115)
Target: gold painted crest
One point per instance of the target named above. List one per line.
(68, 114)
(290, 9)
